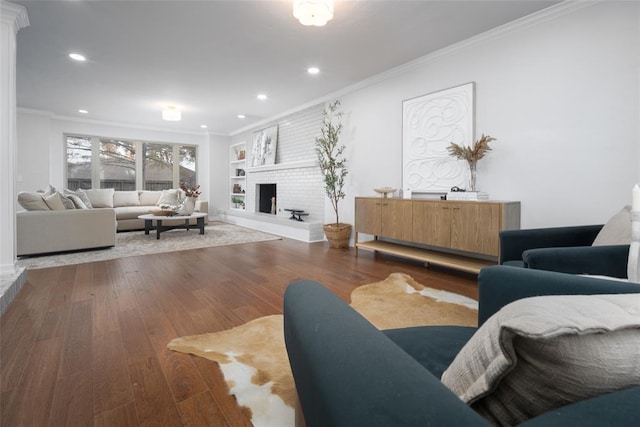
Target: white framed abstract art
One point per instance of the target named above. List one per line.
(265, 142)
(429, 124)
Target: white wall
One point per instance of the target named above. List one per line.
(34, 151)
(218, 173)
(41, 148)
(561, 97)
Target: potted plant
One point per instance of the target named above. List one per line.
(237, 202)
(334, 170)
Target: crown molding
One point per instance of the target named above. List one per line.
(272, 119)
(14, 15)
(536, 18)
(55, 116)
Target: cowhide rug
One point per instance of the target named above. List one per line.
(254, 361)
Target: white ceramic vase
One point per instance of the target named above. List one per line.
(187, 206)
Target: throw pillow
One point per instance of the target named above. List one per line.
(617, 231)
(68, 203)
(149, 198)
(125, 198)
(82, 194)
(50, 190)
(32, 201)
(169, 197)
(54, 201)
(77, 201)
(101, 197)
(541, 353)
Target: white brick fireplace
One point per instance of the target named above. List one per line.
(296, 175)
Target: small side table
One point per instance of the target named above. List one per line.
(149, 218)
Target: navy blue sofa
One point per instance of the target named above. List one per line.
(348, 373)
(563, 249)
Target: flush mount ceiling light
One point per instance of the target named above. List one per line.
(77, 57)
(82, 111)
(241, 116)
(313, 70)
(261, 96)
(313, 12)
(171, 114)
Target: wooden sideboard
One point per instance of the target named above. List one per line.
(456, 234)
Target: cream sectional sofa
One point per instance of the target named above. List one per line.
(40, 232)
(128, 205)
(51, 227)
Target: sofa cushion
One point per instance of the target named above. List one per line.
(541, 353)
(66, 200)
(80, 194)
(617, 231)
(434, 347)
(125, 198)
(54, 201)
(169, 197)
(132, 212)
(77, 201)
(149, 198)
(32, 201)
(101, 197)
(49, 191)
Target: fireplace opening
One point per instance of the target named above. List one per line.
(267, 198)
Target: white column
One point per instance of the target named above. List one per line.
(12, 18)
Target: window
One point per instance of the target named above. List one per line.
(94, 162)
(158, 166)
(188, 165)
(117, 164)
(78, 162)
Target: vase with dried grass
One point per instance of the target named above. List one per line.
(188, 205)
(472, 154)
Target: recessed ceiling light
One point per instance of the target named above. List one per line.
(241, 116)
(262, 96)
(313, 70)
(77, 57)
(81, 111)
(204, 126)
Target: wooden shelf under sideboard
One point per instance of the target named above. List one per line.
(458, 262)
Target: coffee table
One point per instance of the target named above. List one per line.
(150, 218)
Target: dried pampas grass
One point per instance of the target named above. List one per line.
(472, 153)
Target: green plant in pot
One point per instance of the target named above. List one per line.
(237, 202)
(333, 166)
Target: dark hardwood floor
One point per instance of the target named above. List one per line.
(85, 345)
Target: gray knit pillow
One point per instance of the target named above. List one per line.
(541, 353)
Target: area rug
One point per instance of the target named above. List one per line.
(132, 243)
(254, 361)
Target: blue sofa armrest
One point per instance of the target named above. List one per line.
(348, 373)
(619, 408)
(500, 285)
(602, 260)
(514, 242)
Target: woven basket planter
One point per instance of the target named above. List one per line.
(338, 235)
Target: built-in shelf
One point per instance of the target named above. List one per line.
(237, 161)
